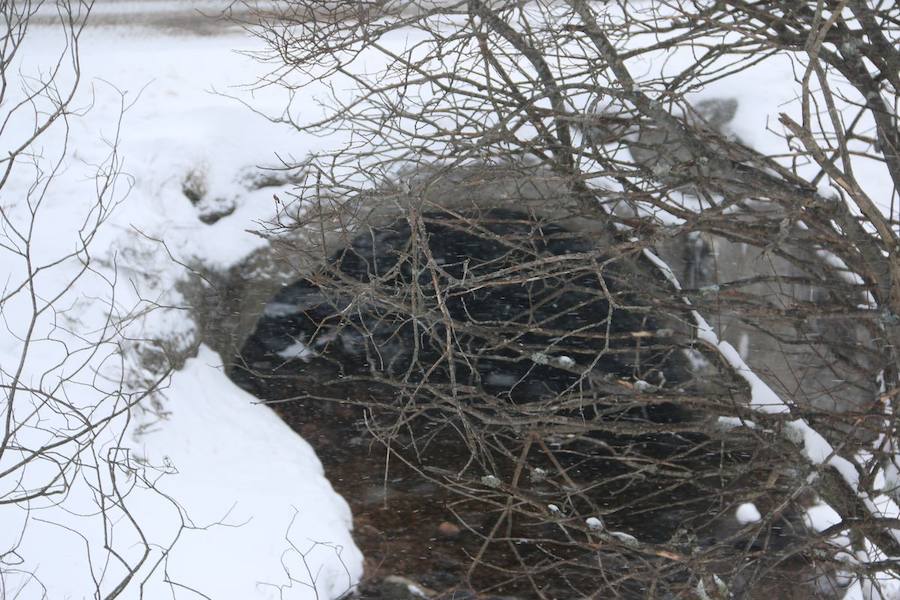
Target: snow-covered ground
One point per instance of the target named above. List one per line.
(241, 496)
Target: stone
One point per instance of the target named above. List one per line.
(448, 530)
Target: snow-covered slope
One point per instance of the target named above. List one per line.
(230, 502)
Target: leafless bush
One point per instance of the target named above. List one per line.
(509, 152)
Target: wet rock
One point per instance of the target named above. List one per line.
(210, 211)
(448, 530)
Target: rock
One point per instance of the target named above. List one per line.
(716, 113)
(448, 530)
(258, 178)
(194, 185)
(210, 211)
(395, 587)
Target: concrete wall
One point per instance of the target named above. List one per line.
(825, 365)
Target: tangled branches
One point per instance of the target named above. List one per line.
(488, 235)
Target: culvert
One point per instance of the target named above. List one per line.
(227, 304)
(446, 355)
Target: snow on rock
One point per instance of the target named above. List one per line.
(566, 362)
(644, 386)
(490, 481)
(624, 537)
(747, 513)
(820, 517)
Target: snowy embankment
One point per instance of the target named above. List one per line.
(203, 491)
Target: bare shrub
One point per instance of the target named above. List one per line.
(489, 282)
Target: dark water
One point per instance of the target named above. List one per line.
(485, 439)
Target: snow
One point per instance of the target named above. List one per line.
(747, 513)
(820, 517)
(566, 362)
(230, 502)
(594, 523)
(297, 350)
(257, 471)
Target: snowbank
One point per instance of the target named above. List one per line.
(226, 500)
